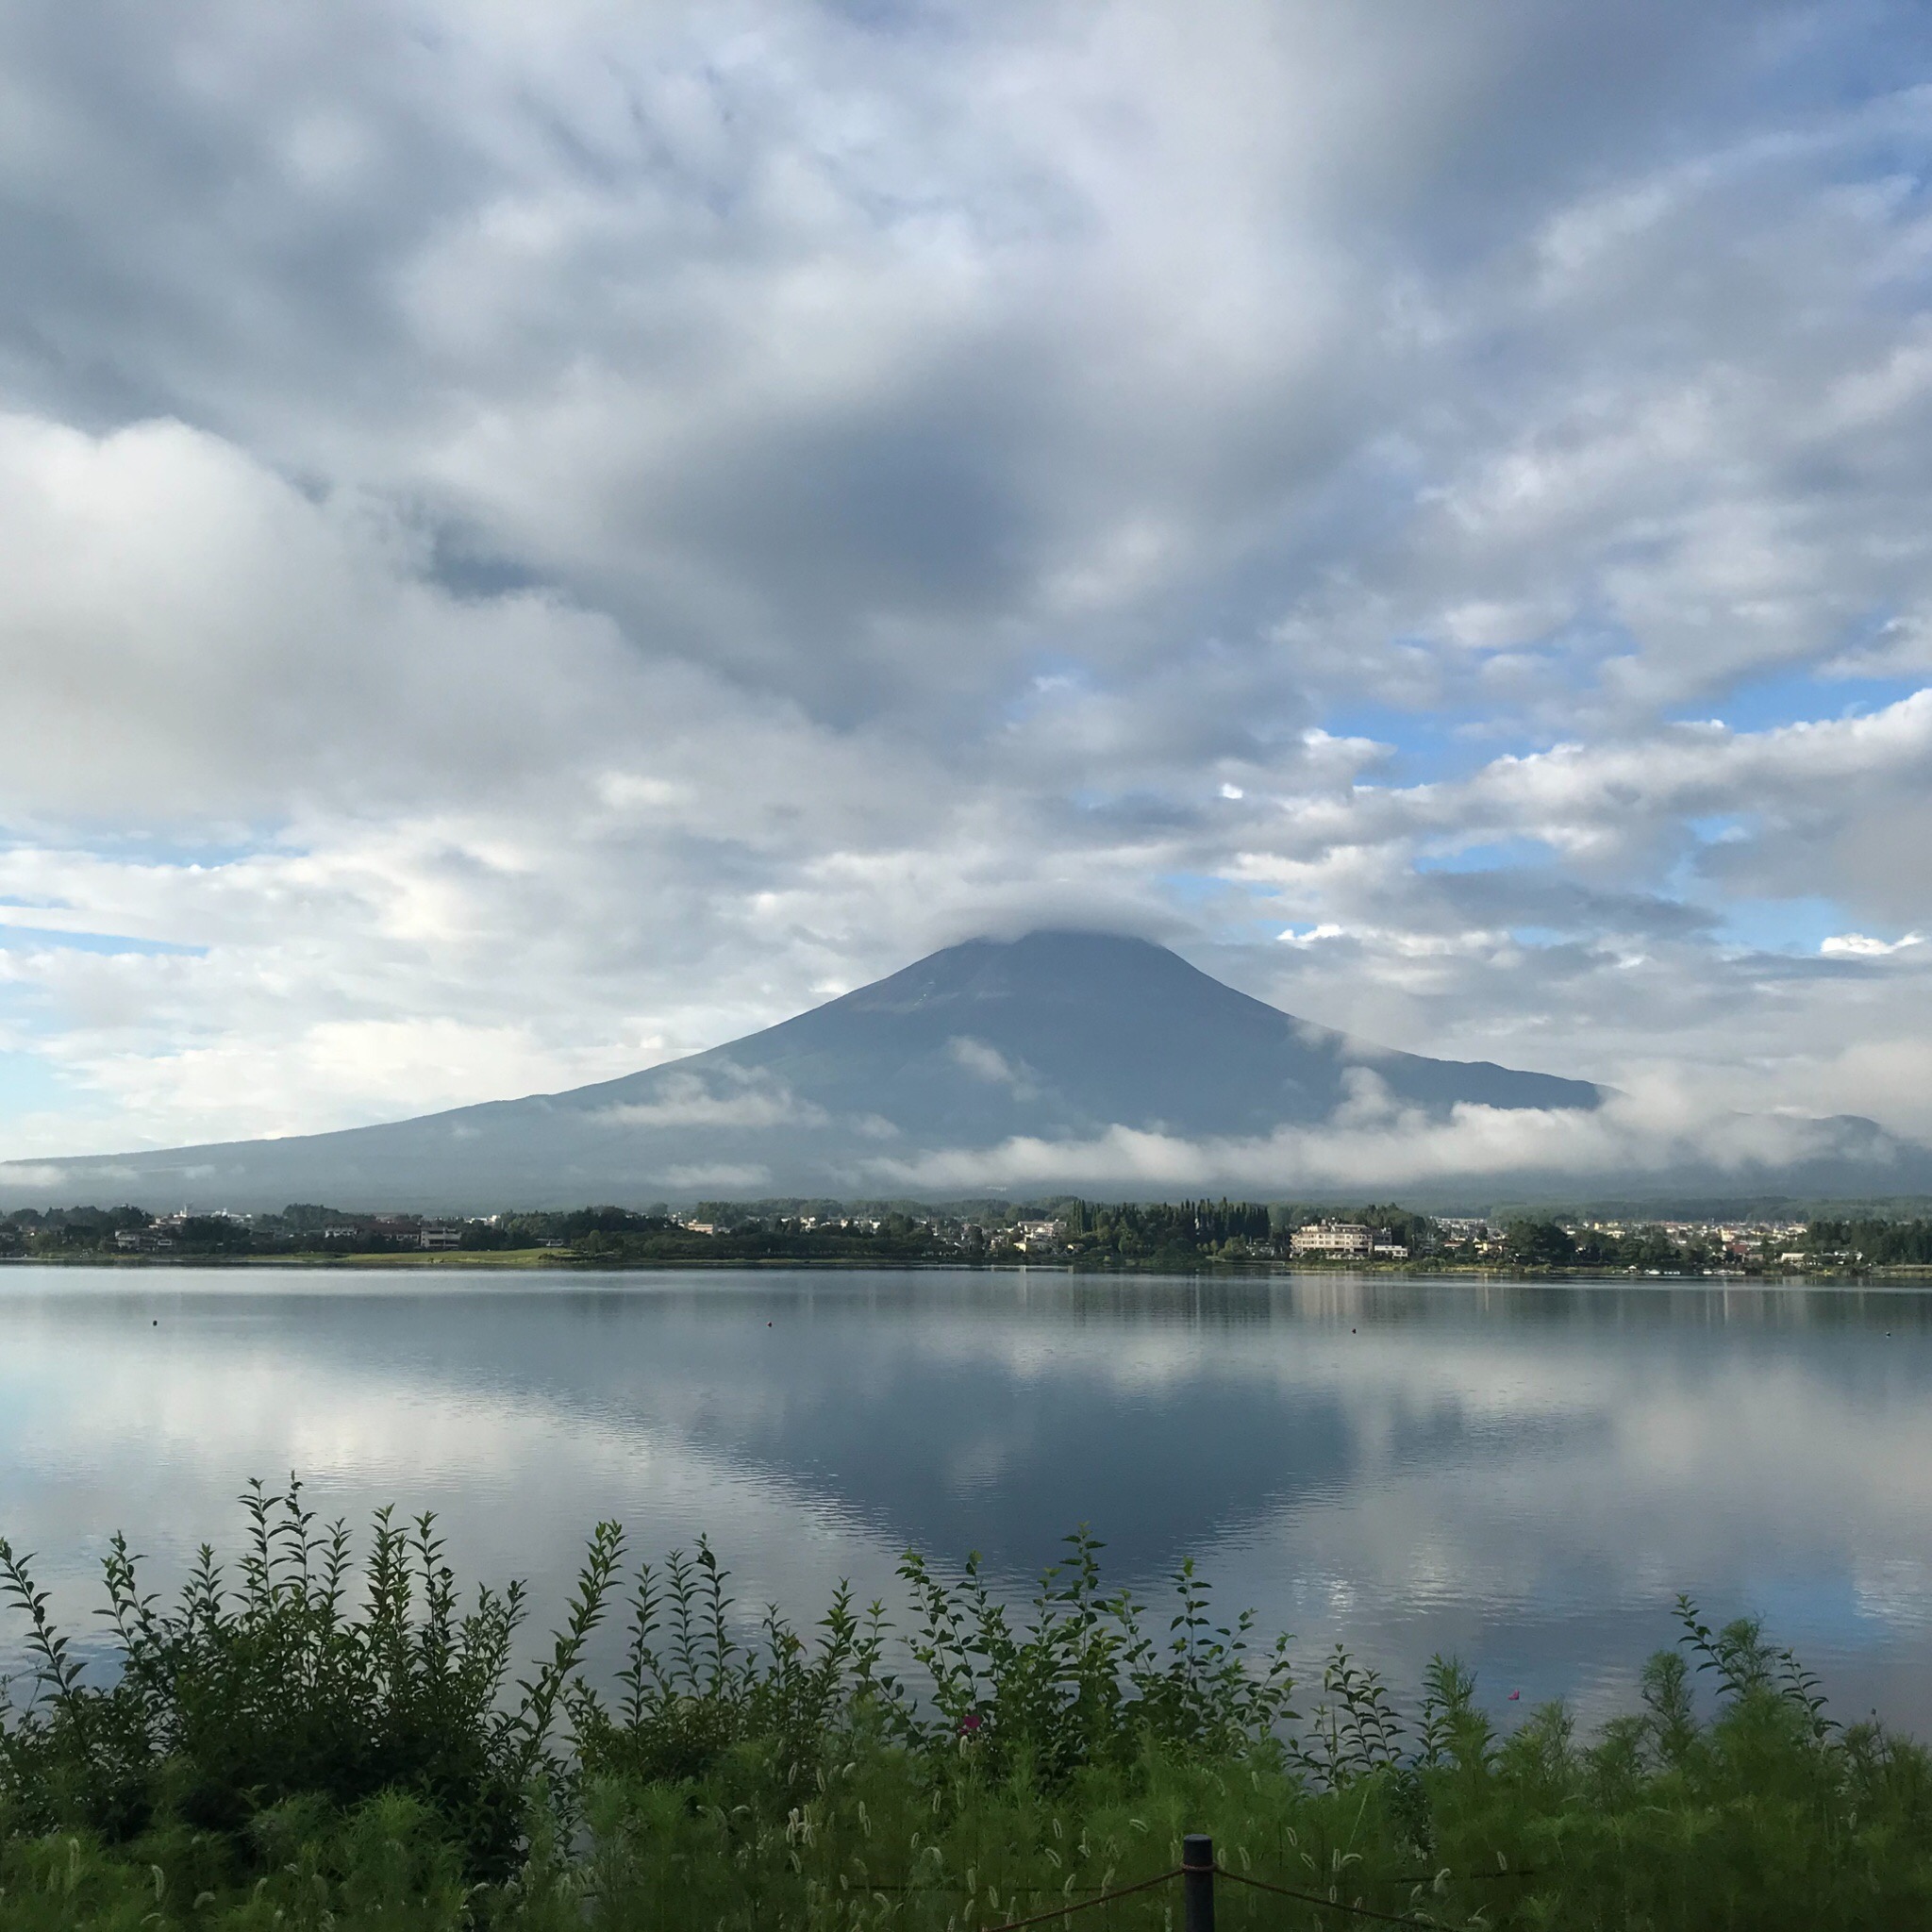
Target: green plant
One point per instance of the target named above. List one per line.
(307, 1741)
(235, 1697)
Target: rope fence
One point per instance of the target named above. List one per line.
(1315, 1898)
(1197, 1872)
(1082, 1905)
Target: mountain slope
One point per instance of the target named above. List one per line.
(1058, 1039)
(1062, 1033)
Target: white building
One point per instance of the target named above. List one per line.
(1038, 1234)
(1346, 1241)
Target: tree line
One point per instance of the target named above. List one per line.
(1107, 1234)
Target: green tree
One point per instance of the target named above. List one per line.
(1540, 1244)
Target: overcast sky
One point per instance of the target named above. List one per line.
(536, 538)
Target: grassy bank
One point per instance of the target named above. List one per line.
(321, 1736)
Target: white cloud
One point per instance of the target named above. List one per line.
(1372, 1145)
(749, 1098)
(196, 640)
(1859, 945)
(537, 540)
(987, 1063)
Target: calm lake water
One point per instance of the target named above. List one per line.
(1523, 1475)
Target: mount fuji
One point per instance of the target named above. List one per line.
(1085, 1061)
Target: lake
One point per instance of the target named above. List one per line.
(1521, 1475)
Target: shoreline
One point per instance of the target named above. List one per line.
(562, 1261)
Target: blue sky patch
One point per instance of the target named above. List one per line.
(1794, 697)
(1780, 925)
(15, 936)
(31, 1084)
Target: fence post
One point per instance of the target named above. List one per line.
(1197, 1883)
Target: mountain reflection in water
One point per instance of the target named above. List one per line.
(1522, 1474)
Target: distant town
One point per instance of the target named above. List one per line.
(1062, 1232)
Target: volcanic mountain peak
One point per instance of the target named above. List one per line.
(1068, 1033)
(990, 1060)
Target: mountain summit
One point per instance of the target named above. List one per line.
(1065, 1033)
(1056, 1038)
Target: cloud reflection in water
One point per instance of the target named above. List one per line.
(1525, 1476)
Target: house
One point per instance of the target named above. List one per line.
(405, 1228)
(1341, 1240)
(442, 1234)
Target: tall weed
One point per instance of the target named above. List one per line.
(314, 1736)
